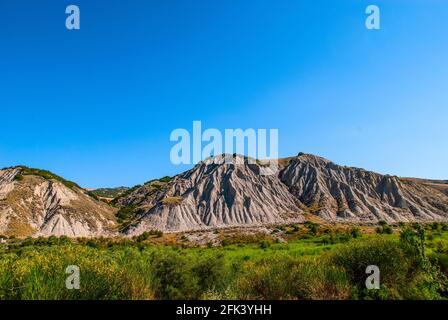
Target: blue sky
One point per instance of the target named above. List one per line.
(97, 105)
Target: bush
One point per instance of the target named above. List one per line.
(210, 272)
(264, 244)
(92, 195)
(355, 232)
(166, 179)
(125, 213)
(384, 228)
(172, 278)
(386, 254)
(225, 242)
(142, 237)
(312, 227)
(382, 223)
(147, 234)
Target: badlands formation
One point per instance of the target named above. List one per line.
(216, 194)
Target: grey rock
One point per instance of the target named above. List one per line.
(354, 194)
(218, 194)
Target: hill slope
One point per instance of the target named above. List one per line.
(441, 185)
(216, 194)
(35, 202)
(355, 194)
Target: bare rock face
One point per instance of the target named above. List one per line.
(32, 205)
(352, 194)
(218, 194)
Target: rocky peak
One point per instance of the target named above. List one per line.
(348, 193)
(216, 193)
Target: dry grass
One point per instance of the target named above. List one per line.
(172, 200)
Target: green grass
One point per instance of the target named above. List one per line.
(306, 268)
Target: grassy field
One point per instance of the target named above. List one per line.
(313, 263)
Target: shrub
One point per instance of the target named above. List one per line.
(317, 280)
(386, 254)
(355, 232)
(384, 228)
(264, 244)
(387, 230)
(166, 179)
(225, 242)
(92, 244)
(312, 226)
(210, 272)
(145, 235)
(142, 237)
(158, 233)
(172, 278)
(125, 213)
(382, 223)
(92, 195)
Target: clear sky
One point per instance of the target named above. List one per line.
(97, 105)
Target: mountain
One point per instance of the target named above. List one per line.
(37, 202)
(217, 194)
(354, 194)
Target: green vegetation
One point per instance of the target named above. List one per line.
(166, 179)
(125, 194)
(384, 228)
(25, 171)
(109, 192)
(146, 235)
(413, 265)
(124, 214)
(312, 226)
(122, 192)
(93, 195)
